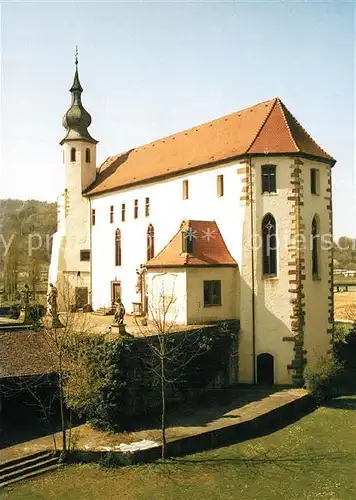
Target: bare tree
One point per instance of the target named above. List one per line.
(34, 273)
(169, 351)
(11, 271)
(67, 340)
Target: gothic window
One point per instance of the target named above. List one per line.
(117, 247)
(269, 245)
(268, 180)
(315, 247)
(220, 185)
(72, 154)
(150, 242)
(87, 155)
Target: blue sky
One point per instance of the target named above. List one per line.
(151, 69)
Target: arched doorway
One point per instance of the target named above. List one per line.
(265, 374)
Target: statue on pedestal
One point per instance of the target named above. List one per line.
(119, 313)
(25, 297)
(25, 304)
(52, 305)
(139, 273)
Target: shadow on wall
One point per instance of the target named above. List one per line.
(272, 354)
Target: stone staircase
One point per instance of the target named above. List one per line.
(104, 311)
(28, 467)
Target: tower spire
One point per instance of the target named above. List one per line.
(77, 119)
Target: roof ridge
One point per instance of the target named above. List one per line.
(167, 137)
(263, 124)
(283, 108)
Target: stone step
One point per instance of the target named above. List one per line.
(25, 458)
(31, 474)
(20, 471)
(104, 311)
(25, 461)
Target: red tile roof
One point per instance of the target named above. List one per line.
(209, 248)
(266, 128)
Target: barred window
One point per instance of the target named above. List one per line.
(212, 293)
(185, 187)
(220, 185)
(269, 184)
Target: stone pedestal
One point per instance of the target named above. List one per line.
(50, 321)
(24, 316)
(119, 329)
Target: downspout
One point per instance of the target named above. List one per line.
(91, 254)
(253, 275)
(331, 272)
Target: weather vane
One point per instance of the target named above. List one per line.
(76, 55)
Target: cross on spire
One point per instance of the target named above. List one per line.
(76, 55)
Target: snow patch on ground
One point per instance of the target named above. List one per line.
(145, 444)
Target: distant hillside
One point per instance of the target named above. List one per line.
(26, 228)
(345, 253)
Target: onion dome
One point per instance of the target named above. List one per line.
(77, 119)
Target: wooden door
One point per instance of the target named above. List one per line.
(115, 291)
(81, 296)
(265, 369)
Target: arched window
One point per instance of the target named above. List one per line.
(315, 246)
(117, 247)
(87, 155)
(269, 245)
(72, 154)
(150, 242)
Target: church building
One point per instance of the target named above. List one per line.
(229, 220)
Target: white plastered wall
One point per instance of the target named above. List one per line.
(167, 210)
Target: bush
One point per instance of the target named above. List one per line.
(14, 312)
(36, 312)
(127, 371)
(322, 378)
(345, 352)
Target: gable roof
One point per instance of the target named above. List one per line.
(209, 248)
(266, 128)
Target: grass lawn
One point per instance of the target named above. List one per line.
(313, 458)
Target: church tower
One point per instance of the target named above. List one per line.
(71, 254)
